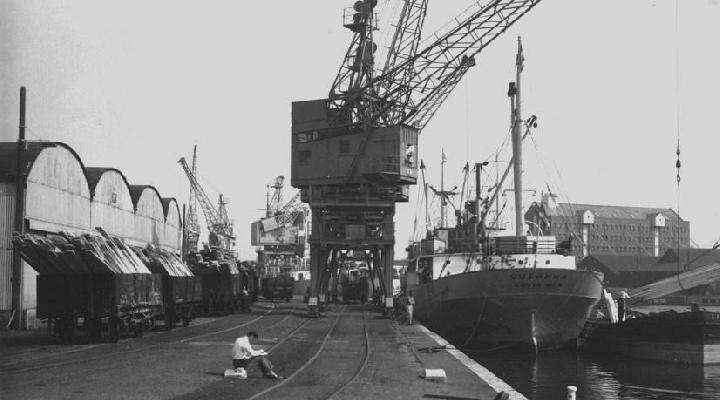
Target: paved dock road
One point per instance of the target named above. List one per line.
(350, 353)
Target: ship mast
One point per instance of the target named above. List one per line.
(514, 93)
(443, 200)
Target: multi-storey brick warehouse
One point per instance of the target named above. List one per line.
(589, 229)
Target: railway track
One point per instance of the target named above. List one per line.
(336, 389)
(302, 347)
(140, 345)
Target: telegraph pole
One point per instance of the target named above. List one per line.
(17, 268)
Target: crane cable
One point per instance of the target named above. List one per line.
(678, 164)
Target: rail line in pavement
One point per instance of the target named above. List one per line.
(5, 367)
(326, 339)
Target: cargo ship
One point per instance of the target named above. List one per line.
(499, 292)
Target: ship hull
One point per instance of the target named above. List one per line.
(685, 338)
(542, 309)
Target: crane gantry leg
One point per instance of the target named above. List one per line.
(345, 235)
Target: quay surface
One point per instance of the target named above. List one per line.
(350, 353)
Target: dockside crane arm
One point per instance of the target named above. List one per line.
(404, 45)
(290, 210)
(349, 98)
(438, 68)
(217, 223)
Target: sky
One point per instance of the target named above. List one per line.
(134, 85)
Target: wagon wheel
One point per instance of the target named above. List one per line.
(67, 329)
(113, 330)
(149, 324)
(53, 327)
(94, 328)
(138, 329)
(169, 320)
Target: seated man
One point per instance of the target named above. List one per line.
(243, 354)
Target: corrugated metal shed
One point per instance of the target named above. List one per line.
(172, 237)
(58, 195)
(8, 157)
(112, 206)
(149, 214)
(57, 199)
(7, 214)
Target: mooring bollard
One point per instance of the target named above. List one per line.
(571, 391)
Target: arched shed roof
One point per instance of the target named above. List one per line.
(167, 204)
(33, 148)
(95, 173)
(136, 192)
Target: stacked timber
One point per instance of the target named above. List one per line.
(213, 260)
(78, 254)
(162, 261)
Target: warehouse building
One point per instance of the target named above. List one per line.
(112, 206)
(588, 229)
(62, 195)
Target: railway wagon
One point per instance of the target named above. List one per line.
(182, 295)
(181, 289)
(220, 292)
(92, 283)
(278, 287)
(104, 305)
(222, 280)
(356, 286)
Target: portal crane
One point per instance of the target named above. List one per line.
(219, 225)
(355, 153)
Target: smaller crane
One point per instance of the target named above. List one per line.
(192, 227)
(219, 225)
(291, 211)
(274, 201)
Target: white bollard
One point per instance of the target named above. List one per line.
(571, 391)
(437, 375)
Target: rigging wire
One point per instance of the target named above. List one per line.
(555, 188)
(677, 120)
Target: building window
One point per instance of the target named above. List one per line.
(305, 157)
(344, 146)
(305, 137)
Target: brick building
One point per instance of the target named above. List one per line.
(586, 229)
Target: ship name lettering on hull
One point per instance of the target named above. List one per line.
(537, 280)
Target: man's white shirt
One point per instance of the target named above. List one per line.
(242, 349)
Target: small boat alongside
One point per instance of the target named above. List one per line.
(691, 337)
